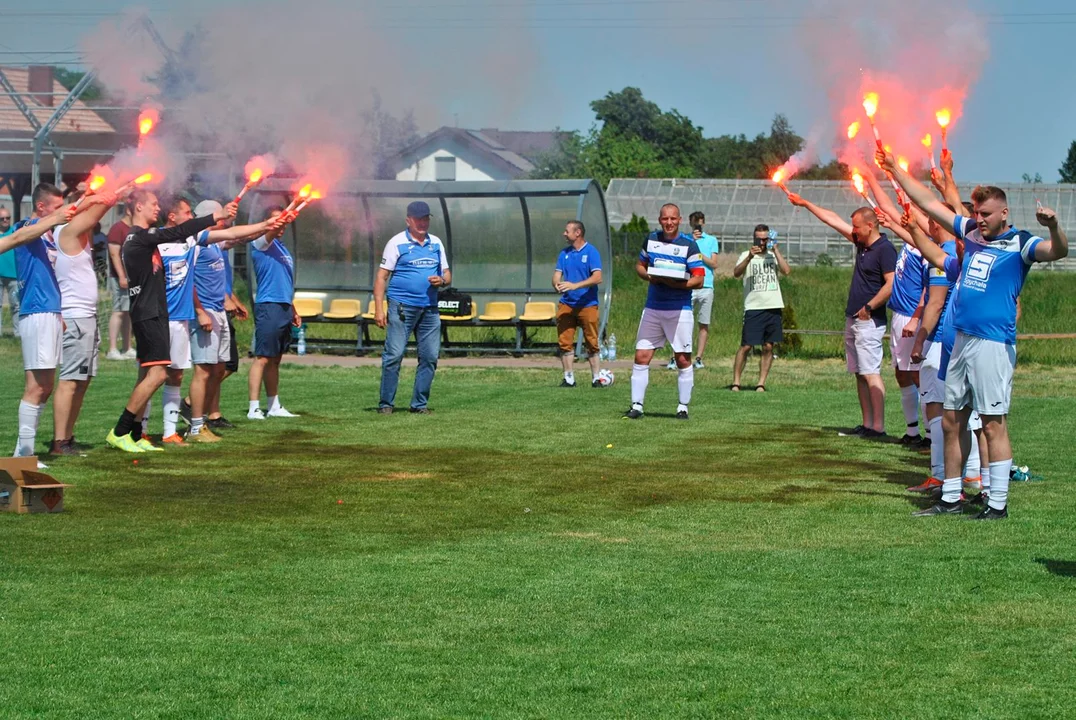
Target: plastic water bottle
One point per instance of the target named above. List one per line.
(612, 347)
(301, 346)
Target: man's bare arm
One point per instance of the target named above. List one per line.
(827, 216)
(919, 193)
(1057, 246)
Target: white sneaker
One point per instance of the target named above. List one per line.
(672, 365)
(114, 355)
(130, 354)
(256, 414)
(280, 412)
(42, 466)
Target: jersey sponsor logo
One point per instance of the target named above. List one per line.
(584, 258)
(979, 268)
(177, 272)
(426, 262)
(663, 248)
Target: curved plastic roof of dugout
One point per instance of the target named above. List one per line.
(502, 238)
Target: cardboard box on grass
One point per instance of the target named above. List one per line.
(25, 490)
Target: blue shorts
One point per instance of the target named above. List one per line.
(943, 364)
(272, 329)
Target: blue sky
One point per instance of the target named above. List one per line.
(729, 65)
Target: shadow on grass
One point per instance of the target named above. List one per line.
(1064, 568)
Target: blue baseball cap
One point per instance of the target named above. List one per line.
(418, 209)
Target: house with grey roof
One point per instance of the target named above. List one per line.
(452, 153)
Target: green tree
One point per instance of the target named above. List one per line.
(1068, 168)
(69, 79)
(628, 115)
(1032, 179)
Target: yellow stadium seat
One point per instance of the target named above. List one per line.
(369, 314)
(343, 309)
(308, 307)
(462, 318)
(539, 312)
(498, 312)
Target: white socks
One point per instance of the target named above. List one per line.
(254, 405)
(274, 403)
(909, 401)
(145, 418)
(951, 490)
(172, 398)
(640, 378)
(684, 383)
(999, 483)
(937, 448)
(971, 467)
(197, 423)
(28, 418)
(569, 377)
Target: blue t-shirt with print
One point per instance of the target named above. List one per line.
(576, 266)
(709, 247)
(680, 252)
(412, 264)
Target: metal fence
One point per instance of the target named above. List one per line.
(734, 207)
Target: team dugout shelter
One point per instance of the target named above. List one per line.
(502, 240)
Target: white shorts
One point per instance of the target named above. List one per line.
(81, 340)
(42, 336)
(703, 302)
(215, 346)
(975, 423)
(863, 346)
(931, 389)
(656, 327)
(179, 344)
(901, 347)
(980, 375)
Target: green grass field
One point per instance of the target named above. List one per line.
(498, 559)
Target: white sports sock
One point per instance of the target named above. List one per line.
(254, 405)
(999, 483)
(569, 377)
(172, 399)
(684, 383)
(985, 470)
(681, 408)
(937, 448)
(145, 417)
(594, 376)
(971, 467)
(909, 400)
(951, 490)
(640, 378)
(28, 418)
(274, 402)
(197, 423)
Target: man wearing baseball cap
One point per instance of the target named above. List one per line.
(413, 266)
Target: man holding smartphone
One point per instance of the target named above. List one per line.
(762, 302)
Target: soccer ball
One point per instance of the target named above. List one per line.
(605, 378)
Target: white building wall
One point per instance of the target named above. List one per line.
(469, 166)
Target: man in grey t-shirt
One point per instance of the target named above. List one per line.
(762, 302)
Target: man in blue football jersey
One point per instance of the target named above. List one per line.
(996, 261)
(671, 263)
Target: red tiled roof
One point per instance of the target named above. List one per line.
(79, 119)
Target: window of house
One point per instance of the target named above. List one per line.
(445, 168)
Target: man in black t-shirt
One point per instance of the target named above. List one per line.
(149, 301)
(865, 313)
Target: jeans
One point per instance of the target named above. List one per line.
(403, 320)
(10, 286)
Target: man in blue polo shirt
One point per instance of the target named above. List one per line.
(578, 275)
(670, 262)
(413, 266)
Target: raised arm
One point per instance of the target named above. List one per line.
(238, 233)
(885, 203)
(29, 233)
(782, 264)
(1057, 246)
(930, 252)
(919, 193)
(827, 216)
(891, 222)
(951, 192)
(79, 232)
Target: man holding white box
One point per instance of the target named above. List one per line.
(671, 263)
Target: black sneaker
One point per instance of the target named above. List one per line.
(633, 414)
(185, 412)
(220, 424)
(596, 383)
(924, 442)
(857, 431)
(681, 415)
(62, 447)
(911, 440)
(993, 514)
(565, 383)
(940, 508)
(385, 410)
(978, 499)
(872, 434)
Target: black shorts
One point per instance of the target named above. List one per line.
(152, 341)
(233, 357)
(761, 327)
(272, 329)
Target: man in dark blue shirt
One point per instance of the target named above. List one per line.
(865, 315)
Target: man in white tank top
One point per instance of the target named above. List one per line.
(78, 308)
